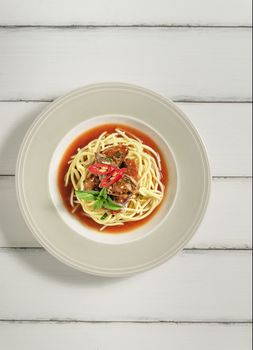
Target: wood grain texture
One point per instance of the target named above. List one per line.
(126, 12)
(185, 64)
(193, 286)
(227, 223)
(224, 127)
(24, 336)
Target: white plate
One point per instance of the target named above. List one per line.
(169, 198)
(156, 241)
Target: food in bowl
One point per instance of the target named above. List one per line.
(113, 175)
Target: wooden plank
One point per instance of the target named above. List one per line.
(224, 127)
(227, 223)
(185, 64)
(15, 119)
(226, 130)
(102, 12)
(25, 336)
(194, 286)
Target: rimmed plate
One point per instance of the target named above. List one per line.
(122, 122)
(93, 256)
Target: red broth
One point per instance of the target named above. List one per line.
(81, 141)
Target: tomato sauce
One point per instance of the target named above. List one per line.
(81, 141)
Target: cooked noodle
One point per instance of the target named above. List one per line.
(150, 189)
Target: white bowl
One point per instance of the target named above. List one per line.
(171, 227)
(128, 236)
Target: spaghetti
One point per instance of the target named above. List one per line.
(119, 155)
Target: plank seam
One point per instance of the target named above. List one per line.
(140, 25)
(69, 321)
(239, 248)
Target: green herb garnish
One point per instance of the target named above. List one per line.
(110, 204)
(104, 216)
(85, 196)
(91, 192)
(101, 199)
(98, 203)
(103, 193)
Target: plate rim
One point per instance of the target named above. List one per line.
(126, 271)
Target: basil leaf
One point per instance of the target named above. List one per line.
(85, 196)
(102, 193)
(109, 204)
(92, 192)
(109, 200)
(104, 216)
(98, 204)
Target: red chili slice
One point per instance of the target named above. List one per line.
(100, 168)
(115, 176)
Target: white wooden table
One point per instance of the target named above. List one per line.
(198, 53)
